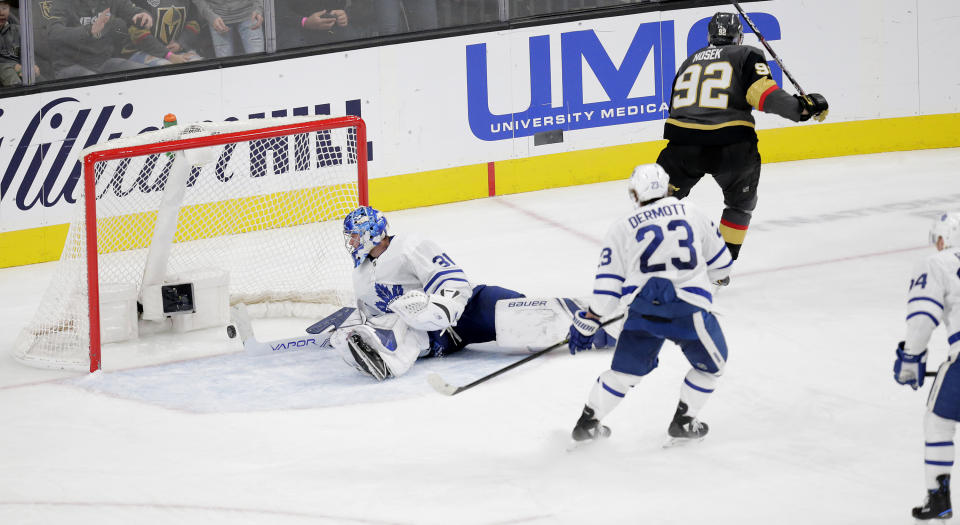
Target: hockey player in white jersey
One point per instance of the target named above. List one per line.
(934, 298)
(661, 259)
(415, 301)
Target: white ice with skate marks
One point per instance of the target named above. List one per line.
(806, 425)
(243, 381)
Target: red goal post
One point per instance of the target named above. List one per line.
(214, 208)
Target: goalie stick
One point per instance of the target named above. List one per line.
(445, 388)
(317, 337)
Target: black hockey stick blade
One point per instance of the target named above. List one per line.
(930, 374)
(447, 389)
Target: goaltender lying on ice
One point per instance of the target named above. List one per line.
(413, 301)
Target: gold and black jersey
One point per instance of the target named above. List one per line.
(715, 91)
(173, 21)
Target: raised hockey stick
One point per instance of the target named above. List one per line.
(773, 53)
(445, 388)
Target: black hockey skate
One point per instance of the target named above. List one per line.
(588, 428)
(937, 506)
(367, 359)
(684, 429)
(722, 282)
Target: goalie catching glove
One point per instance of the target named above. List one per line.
(586, 333)
(910, 369)
(429, 313)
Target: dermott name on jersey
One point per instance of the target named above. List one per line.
(707, 54)
(666, 210)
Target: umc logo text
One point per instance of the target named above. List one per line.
(652, 46)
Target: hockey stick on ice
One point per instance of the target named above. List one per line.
(241, 326)
(445, 388)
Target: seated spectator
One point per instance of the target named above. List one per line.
(9, 48)
(172, 39)
(310, 22)
(226, 18)
(88, 37)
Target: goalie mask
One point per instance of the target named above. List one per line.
(946, 225)
(648, 182)
(725, 29)
(363, 228)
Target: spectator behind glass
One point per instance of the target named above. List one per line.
(402, 16)
(9, 48)
(43, 52)
(452, 13)
(171, 40)
(311, 22)
(88, 35)
(227, 18)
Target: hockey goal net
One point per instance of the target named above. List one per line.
(253, 207)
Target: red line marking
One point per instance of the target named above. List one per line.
(831, 261)
(598, 242)
(491, 179)
(558, 225)
(205, 508)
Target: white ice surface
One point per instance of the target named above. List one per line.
(807, 425)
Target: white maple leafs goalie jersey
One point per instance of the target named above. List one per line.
(410, 263)
(667, 238)
(934, 298)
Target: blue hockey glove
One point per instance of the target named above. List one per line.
(582, 331)
(910, 369)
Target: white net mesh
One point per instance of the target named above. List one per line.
(266, 210)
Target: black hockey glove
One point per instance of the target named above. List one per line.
(815, 105)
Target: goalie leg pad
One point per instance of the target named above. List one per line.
(397, 347)
(537, 323)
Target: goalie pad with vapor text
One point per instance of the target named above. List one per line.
(538, 323)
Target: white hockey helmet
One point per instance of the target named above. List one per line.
(946, 225)
(648, 182)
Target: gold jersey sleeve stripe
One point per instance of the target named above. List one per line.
(691, 125)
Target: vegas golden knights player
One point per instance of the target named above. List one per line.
(711, 128)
